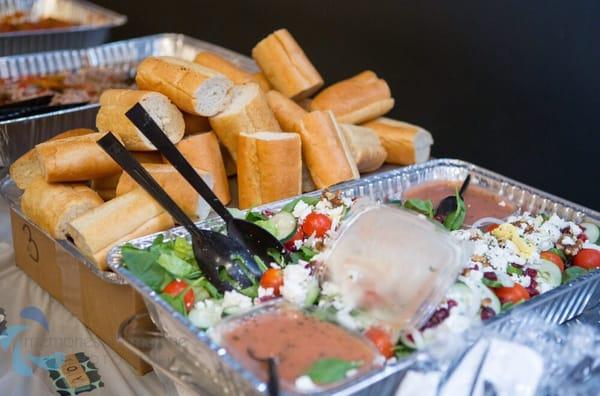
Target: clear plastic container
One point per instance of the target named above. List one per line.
(394, 264)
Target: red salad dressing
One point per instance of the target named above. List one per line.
(479, 201)
(297, 341)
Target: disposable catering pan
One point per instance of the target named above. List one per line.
(19, 135)
(93, 25)
(216, 372)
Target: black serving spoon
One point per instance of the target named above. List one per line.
(213, 251)
(448, 204)
(255, 238)
(272, 375)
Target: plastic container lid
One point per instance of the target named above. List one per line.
(394, 264)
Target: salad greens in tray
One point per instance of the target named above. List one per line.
(513, 260)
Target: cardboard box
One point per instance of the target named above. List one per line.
(100, 305)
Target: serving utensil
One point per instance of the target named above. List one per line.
(213, 251)
(272, 375)
(448, 204)
(255, 238)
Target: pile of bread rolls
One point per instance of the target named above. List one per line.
(266, 127)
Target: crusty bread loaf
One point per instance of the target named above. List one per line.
(26, 168)
(106, 186)
(357, 99)
(114, 103)
(126, 217)
(286, 66)
(77, 158)
(262, 81)
(248, 112)
(175, 186)
(325, 149)
(269, 167)
(230, 166)
(202, 151)
(193, 88)
(286, 111)
(367, 150)
(405, 143)
(195, 123)
(52, 205)
(148, 157)
(230, 70)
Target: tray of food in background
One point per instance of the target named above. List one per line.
(533, 252)
(39, 25)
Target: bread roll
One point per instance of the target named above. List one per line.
(286, 111)
(175, 186)
(52, 206)
(230, 70)
(203, 152)
(367, 150)
(77, 158)
(262, 81)
(114, 103)
(106, 186)
(230, 166)
(193, 88)
(148, 157)
(121, 219)
(286, 66)
(405, 143)
(325, 149)
(248, 112)
(195, 123)
(357, 99)
(26, 168)
(269, 167)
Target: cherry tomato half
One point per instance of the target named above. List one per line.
(382, 341)
(189, 299)
(512, 294)
(587, 258)
(272, 278)
(317, 223)
(554, 258)
(174, 288)
(298, 236)
(491, 227)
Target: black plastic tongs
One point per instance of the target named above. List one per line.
(255, 238)
(213, 251)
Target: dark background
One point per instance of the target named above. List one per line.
(511, 85)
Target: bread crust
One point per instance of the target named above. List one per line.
(269, 167)
(195, 89)
(52, 205)
(236, 74)
(203, 152)
(405, 143)
(77, 158)
(286, 66)
(357, 99)
(325, 150)
(195, 123)
(286, 111)
(367, 150)
(114, 103)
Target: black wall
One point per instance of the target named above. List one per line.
(511, 85)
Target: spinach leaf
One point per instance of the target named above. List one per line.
(255, 216)
(491, 283)
(560, 253)
(401, 351)
(176, 302)
(277, 257)
(183, 249)
(143, 265)
(512, 270)
(175, 265)
(250, 291)
(421, 206)
(311, 201)
(267, 225)
(572, 273)
(261, 264)
(204, 283)
(329, 370)
(308, 253)
(456, 219)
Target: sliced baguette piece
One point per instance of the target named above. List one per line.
(148, 157)
(248, 112)
(367, 150)
(26, 168)
(175, 186)
(236, 74)
(203, 152)
(114, 103)
(230, 166)
(106, 186)
(286, 111)
(195, 89)
(52, 205)
(357, 99)
(126, 217)
(77, 158)
(405, 143)
(286, 66)
(262, 81)
(269, 167)
(195, 123)
(328, 156)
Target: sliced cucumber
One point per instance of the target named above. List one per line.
(267, 225)
(591, 231)
(406, 341)
(550, 273)
(312, 293)
(285, 223)
(468, 300)
(495, 302)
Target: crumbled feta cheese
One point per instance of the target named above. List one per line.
(305, 384)
(567, 241)
(262, 292)
(347, 201)
(296, 282)
(346, 320)
(323, 206)
(206, 313)
(301, 210)
(298, 243)
(237, 301)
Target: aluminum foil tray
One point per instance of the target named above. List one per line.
(215, 372)
(94, 25)
(21, 134)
